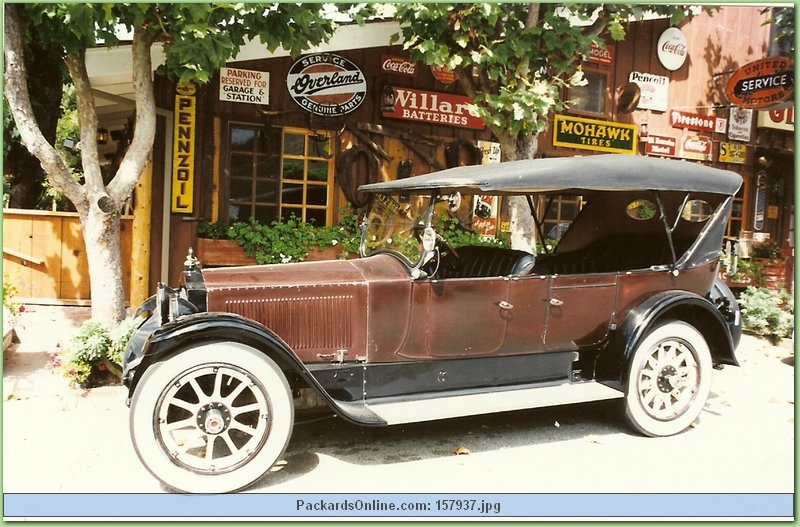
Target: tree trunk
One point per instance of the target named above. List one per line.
(521, 222)
(101, 234)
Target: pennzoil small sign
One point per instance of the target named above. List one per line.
(590, 134)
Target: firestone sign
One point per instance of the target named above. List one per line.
(326, 84)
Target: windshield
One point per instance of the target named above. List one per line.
(394, 223)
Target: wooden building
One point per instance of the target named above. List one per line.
(257, 142)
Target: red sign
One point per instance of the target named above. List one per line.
(696, 147)
(762, 84)
(692, 121)
(442, 74)
(398, 65)
(661, 145)
(602, 56)
(433, 107)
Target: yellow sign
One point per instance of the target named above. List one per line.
(183, 151)
(732, 153)
(590, 134)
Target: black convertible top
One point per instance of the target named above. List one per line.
(596, 172)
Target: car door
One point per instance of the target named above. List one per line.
(578, 310)
(466, 316)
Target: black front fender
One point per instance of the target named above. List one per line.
(612, 363)
(180, 335)
(187, 331)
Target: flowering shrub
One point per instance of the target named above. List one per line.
(767, 312)
(94, 353)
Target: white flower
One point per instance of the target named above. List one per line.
(334, 242)
(519, 112)
(578, 79)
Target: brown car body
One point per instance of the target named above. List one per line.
(385, 339)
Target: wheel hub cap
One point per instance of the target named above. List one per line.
(213, 418)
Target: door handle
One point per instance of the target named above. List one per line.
(505, 305)
(556, 302)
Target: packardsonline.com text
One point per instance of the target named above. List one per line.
(456, 507)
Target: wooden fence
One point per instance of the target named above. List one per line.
(44, 256)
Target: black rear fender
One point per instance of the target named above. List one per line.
(612, 363)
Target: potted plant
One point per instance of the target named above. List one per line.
(769, 257)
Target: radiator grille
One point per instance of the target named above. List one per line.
(320, 322)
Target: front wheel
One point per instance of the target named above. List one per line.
(212, 419)
(669, 380)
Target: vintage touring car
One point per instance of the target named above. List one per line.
(627, 305)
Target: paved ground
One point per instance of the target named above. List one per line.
(61, 439)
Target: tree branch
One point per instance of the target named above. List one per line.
(138, 153)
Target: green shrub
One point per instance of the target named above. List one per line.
(95, 351)
(767, 312)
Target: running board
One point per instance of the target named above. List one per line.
(446, 407)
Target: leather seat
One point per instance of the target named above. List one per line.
(481, 262)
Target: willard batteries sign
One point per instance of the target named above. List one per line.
(762, 84)
(326, 84)
(448, 109)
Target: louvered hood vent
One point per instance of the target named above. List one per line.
(317, 308)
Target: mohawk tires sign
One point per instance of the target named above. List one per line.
(589, 134)
(326, 84)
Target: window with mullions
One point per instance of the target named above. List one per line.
(275, 173)
(306, 176)
(559, 212)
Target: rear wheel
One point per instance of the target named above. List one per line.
(212, 419)
(669, 380)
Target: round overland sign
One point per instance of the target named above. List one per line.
(326, 84)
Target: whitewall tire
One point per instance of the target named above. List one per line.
(669, 379)
(212, 419)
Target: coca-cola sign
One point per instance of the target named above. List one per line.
(396, 65)
(326, 84)
(672, 50)
(696, 147)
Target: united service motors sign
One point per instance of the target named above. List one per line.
(326, 84)
(762, 84)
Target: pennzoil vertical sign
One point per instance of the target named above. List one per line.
(183, 139)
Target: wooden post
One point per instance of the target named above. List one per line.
(140, 245)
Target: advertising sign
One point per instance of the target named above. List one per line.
(432, 107)
(326, 84)
(672, 49)
(396, 65)
(777, 119)
(654, 90)
(732, 153)
(692, 121)
(660, 145)
(602, 56)
(740, 124)
(183, 134)
(696, 147)
(589, 134)
(762, 84)
(237, 85)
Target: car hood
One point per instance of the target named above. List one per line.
(318, 308)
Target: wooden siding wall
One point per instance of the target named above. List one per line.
(44, 256)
